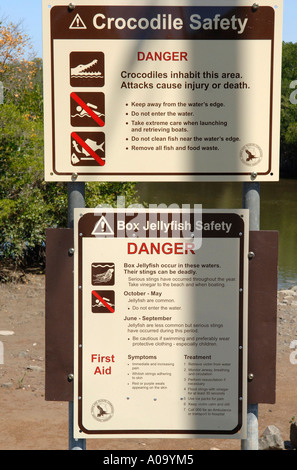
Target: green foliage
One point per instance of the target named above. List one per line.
(22, 209)
(289, 110)
(110, 194)
(28, 205)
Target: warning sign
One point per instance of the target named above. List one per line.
(160, 323)
(177, 103)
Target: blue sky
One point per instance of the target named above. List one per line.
(30, 12)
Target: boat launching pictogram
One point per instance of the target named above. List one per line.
(87, 149)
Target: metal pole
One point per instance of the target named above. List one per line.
(74, 444)
(76, 199)
(251, 201)
(1, 93)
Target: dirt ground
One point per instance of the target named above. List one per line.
(28, 422)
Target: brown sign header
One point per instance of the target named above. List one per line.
(155, 224)
(160, 22)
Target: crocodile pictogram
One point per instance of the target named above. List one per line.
(82, 71)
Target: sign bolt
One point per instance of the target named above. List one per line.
(71, 6)
(250, 377)
(71, 251)
(254, 175)
(251, 255)
(74, 176)
(70, 377)
(255, 6)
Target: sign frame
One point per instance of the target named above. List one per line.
(143, 164)
(85, 223)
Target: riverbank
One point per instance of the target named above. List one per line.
(27, 421)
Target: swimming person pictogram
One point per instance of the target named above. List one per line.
(87, 109)
(103, 301)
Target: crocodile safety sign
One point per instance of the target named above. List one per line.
(180, 93)
(160, 323)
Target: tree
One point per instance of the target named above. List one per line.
(18, 65)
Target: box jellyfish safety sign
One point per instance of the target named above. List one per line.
(160, 345)
(155, 91)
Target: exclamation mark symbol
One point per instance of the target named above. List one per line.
(77, 22)
(102, 227)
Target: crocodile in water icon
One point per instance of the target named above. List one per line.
(83, 71)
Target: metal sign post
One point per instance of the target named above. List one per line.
(251, 201)
(76, 199)
(1, 93)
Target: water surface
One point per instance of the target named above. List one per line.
(278, 211)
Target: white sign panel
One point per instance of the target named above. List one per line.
(155, 91)
(160, 323)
